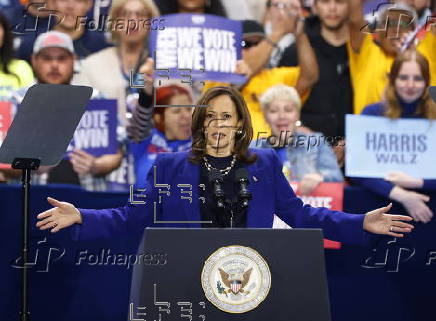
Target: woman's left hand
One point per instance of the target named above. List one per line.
(403, 180)
(378, 222)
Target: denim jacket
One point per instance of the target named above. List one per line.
(306, 154)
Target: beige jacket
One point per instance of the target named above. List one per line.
(102, 71)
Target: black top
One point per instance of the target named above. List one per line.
(332, 96)
(209, 210)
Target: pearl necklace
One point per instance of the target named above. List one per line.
(223, 171)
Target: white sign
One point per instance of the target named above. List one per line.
(376, 146)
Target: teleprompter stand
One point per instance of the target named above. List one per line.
(39, 136)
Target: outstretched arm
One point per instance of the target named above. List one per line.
(89, 224)
(337, 226)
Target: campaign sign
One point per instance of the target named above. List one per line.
(376, 146)
(329, 195)
(5, 123)
(198, 47)
(96, 133)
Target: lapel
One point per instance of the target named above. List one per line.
(256, 202)
(190, 174)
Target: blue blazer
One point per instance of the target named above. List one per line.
(271, 192)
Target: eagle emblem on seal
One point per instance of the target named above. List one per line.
(235, 282)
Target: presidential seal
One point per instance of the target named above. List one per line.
(236, 279)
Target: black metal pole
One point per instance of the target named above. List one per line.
(25, 179)
(26, 165)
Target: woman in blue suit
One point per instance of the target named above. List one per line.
(178, 192)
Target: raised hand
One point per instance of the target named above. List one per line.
(285, 17)
(378, 222)
(62, 215)
(147, 70)
(243, 68)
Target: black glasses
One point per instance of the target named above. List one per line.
(249, 44)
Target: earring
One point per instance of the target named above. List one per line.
(239, 132)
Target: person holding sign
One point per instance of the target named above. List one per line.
(221, 136)
(406, 96)
(306, 158)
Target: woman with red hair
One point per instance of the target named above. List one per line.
(160, 129)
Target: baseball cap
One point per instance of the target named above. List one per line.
(252, 28)
(53, 39)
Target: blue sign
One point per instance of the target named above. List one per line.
(376, 146)
(198, 47)
(96, 133)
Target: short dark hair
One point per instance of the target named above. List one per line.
(242, 141)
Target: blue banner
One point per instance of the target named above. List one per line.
(376, 146)
(198, 47)
(96, 133)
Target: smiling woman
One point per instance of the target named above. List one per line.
(271, 192)
(406, 96)
(224, 127)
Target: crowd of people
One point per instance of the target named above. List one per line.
(307, 66)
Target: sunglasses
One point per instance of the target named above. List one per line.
(249, 44)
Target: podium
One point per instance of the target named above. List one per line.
(230, 274)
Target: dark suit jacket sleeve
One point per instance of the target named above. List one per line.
(337, 226)
(128, 220)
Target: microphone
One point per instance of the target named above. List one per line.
(244, 195)
(216, 179)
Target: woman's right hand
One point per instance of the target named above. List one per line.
(414, 203)
(61, 216)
